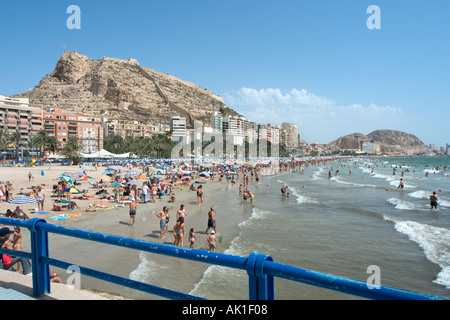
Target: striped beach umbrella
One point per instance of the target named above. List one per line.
(71, 190)
(22, 200)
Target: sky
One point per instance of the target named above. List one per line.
(316, 64)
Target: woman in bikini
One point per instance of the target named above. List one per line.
(178, 232)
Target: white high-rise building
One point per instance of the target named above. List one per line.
(178, 128)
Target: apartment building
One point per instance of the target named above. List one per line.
(178, 128)
(63, 125)
(16, 115)
(291, 135)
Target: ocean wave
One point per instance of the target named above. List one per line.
(302, 199)
(352, 183)
(434, 241)
(401, 204)
(145, 270)
(421, 194)
(257, 213)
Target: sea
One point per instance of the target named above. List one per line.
(342, 225)
(346, 217)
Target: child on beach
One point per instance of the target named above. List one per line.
(192, 238)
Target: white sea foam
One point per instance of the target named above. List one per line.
(421, 194)
(434, 241)
(401, 204)
(338, 180)
(302, 199)
(145, 269)
(317, 174)
(256, 214)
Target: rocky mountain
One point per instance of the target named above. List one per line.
(122, 90)
(386, 141)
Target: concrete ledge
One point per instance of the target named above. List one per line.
(59, 291)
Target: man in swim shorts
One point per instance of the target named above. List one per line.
(133, 207)
(211, 220)
(162, 215)
(433, 200)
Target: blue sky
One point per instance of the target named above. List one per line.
(313, 63)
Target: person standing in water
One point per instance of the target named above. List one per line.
(433, 201)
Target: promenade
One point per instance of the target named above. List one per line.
(16, 286)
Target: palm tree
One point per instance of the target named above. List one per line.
(114, 143)
(72, 150)
(3, 140)
(52, 143)
(16, 139)
(40, 140)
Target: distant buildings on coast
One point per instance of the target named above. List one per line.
(17, 115)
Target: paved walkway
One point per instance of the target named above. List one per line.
(16, 286)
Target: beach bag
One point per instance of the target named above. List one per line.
(7, 259)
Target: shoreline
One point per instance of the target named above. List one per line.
(115, 222)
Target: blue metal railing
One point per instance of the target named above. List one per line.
(261, 269)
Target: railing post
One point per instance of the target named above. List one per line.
(261, 286)
(39, 249)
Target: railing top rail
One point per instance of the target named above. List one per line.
(255, 264)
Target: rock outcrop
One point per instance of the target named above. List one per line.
(121, 90)
(386, 141)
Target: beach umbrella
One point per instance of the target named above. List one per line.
(204, 174)
(131, 174)
(110, 169)
(87, 168)
(134, 181)
(85, 178)
(71, 190)
(141, 177)
(22, 200)
(67, 178)
(116, 184)
(104, 177)
(116, 168)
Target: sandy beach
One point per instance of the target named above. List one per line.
(115, 220)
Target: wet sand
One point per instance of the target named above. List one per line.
(182, 275)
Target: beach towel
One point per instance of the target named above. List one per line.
(74, 215)
(42, 212)
(60, 217)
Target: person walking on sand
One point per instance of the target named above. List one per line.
(162, 215)
(211, 220)
(212, 241)
(433, 200)
(133, 207)
(181, 213)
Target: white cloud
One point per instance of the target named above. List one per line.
(319, 118)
